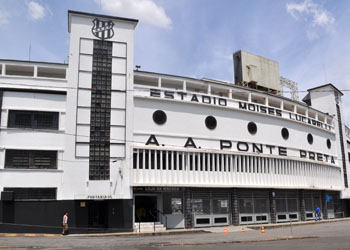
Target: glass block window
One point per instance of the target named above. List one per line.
(30, 159)
(100, 115)
(33, 119)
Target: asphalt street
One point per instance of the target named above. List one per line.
(334, 235)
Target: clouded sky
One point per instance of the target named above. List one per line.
(309, 38)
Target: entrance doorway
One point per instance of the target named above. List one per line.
(97, 214)
(145, 208)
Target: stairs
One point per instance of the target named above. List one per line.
(148, 227)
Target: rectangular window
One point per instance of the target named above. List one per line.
(33, 119)
(33, 193)
(30, 159)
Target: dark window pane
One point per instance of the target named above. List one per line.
(22, 120)
(33, 119)
(33, 193)
(46, 120)
(32, 159)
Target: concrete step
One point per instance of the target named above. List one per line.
(149, 227)
(146, 224)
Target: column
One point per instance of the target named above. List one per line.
(234, 206)
(272, 201)
(302, 205)
(188, 208)
(324, 205)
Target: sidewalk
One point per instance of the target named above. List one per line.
(252, 232)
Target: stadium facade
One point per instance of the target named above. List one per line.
(117, 147)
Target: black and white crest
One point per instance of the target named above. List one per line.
(102, 29)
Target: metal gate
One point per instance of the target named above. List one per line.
(253, 207)
(210, 207)
(287, 206)
(312, 199)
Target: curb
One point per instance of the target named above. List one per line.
(28, 235)
(139, 234)
(298, 223)
(234, 241)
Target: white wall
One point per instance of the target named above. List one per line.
(29, 139)
(76, 170)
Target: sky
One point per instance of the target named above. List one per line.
(310, 39)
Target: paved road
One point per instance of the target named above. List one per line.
(316, 236)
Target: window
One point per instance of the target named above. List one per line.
(33, 193)
(33, 119)
(159, 117)
(252, 128)
(285, 133)
(310, 138)
(30, 159)
(329, 144)
(210, 122)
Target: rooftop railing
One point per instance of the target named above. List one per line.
(230, 91)
(33, 69)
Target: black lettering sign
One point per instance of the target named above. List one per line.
(251, 107)
(311, 155)
(242, 105)
(282, 151)
(152, 140)
(326, 156)
(257, 148)
(225, 144)
(332, 160)
(206, 99)
(155, 92)
(242, 146)
(194, 98)
(169, 94)
(270, 147)
(182, 94)
(222, 102)
(190, 143)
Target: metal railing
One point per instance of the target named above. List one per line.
(139, 223)
(155, 214)
(163, 216)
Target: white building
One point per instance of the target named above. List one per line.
(114, 146)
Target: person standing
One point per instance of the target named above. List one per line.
(318, 213)
(65, 224)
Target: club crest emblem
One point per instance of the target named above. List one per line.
(102, 29)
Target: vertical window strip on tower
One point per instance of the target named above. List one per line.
(100, 115)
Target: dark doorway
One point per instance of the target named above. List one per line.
(145, 208)
(98, 214)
